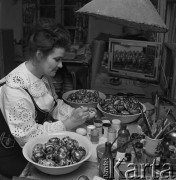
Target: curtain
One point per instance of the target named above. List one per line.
(171, 22)
(29, 13)
(162, 12)
(81, 32)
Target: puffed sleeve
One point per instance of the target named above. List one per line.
(62, 111)
(19, 112)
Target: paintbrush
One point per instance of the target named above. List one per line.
(146, 121)
(162, 131)
(165, 118)
(154, 126)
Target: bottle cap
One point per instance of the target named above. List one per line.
(106, 125)
(116, 121)
(106, 121)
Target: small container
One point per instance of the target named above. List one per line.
(111, 135)
(98, 125)
(116, 124)
(89, 129)
(100, 129)
(106, 127)
(123, 138)
(94, 137)
(139, 152)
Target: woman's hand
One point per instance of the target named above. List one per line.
(78, 117)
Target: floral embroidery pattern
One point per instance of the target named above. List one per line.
(21, 116)
(17, 80)
(20, 112)
(38, 89)
(25, 115)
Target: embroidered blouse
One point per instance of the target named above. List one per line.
(18, 108)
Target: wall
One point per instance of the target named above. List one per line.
(97, 26)
(11, 16)
(0, 13)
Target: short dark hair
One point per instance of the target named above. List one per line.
(46, 40)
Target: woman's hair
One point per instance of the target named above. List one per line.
(46, 39)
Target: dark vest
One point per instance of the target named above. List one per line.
(8, 145)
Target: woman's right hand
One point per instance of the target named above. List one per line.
(78, 117)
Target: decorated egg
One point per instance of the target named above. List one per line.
(48, 147)
(91, 114)
(47, 162)
(60, 156)
(38, 155)
(38, 147)
(54, 140)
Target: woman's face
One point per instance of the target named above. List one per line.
(52, 62)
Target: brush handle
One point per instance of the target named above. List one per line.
(161, 132)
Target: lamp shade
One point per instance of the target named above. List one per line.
(139, 14)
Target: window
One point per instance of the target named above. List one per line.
(47, 9)
(76, 24)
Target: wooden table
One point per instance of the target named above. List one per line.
(88, 168)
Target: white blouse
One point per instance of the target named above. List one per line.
(19, 111)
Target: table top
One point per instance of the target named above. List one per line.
(88, 168)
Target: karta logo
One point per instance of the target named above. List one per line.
(143, 170)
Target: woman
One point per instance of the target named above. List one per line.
(29, 103)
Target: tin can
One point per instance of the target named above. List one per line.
(106, 127)
(89, 129)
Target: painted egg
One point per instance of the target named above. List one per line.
(91, 114)
(81, 131)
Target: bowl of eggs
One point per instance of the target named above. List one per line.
(83, 97)
(126, 109)
(59, 153)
